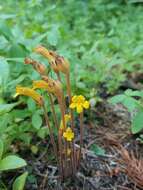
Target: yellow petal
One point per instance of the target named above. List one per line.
(67, 117)
(29, 92)
(72, 105)
(86, 104)
(65, 135)
(74, 98)
(68, 134)
(15, 95)
(41, 84)
(79, 109)
(81, 98)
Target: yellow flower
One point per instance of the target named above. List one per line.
(41, 84)
(29, 92)
(79, 103)
(68, 134)
(67, 118)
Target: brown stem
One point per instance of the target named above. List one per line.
(69, 95)
(71, 166)
(62, 108)
(72, 118)
(60, 154)
(61, 104)
(73, 159)
(53, 111)
(81, 134)
(50, 132)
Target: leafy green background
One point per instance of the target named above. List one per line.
(102, 39)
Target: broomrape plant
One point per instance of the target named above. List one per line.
(67, 155)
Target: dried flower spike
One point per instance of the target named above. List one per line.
(40, 68)
(45, 52)
(79, 103)
(29, 92)
(62, 64)
(54, 85)
(57, 62)
(68, 134)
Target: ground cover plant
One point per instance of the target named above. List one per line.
(103, 42)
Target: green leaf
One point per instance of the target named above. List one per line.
(130, 103)
(130, 92)
(11, 162)
(42, 132)
(137, 124)
(31, 105)
(17, 50)
(117, 99)
(53, 36)
(4, 108)
(20, 182)
(36, 120)
(1, 148)
(5, 30)
(4, 69)
(97, 150)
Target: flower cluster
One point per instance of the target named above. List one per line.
(64, 151)
(68, 134)
(79, 102)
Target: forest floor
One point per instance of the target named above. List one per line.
(120, 167)
(115, 170)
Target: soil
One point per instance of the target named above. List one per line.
(111, 124)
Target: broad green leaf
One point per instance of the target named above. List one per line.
(130, 103)
(5, 30)
(17, 50)
(130, 92)
(11, 162)
(31, 105)
(1, 148)
(20, 182)
(43, 132)
(117, 99)
(137, 124)
(17, 81)
(36, 120)
(5, 108)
